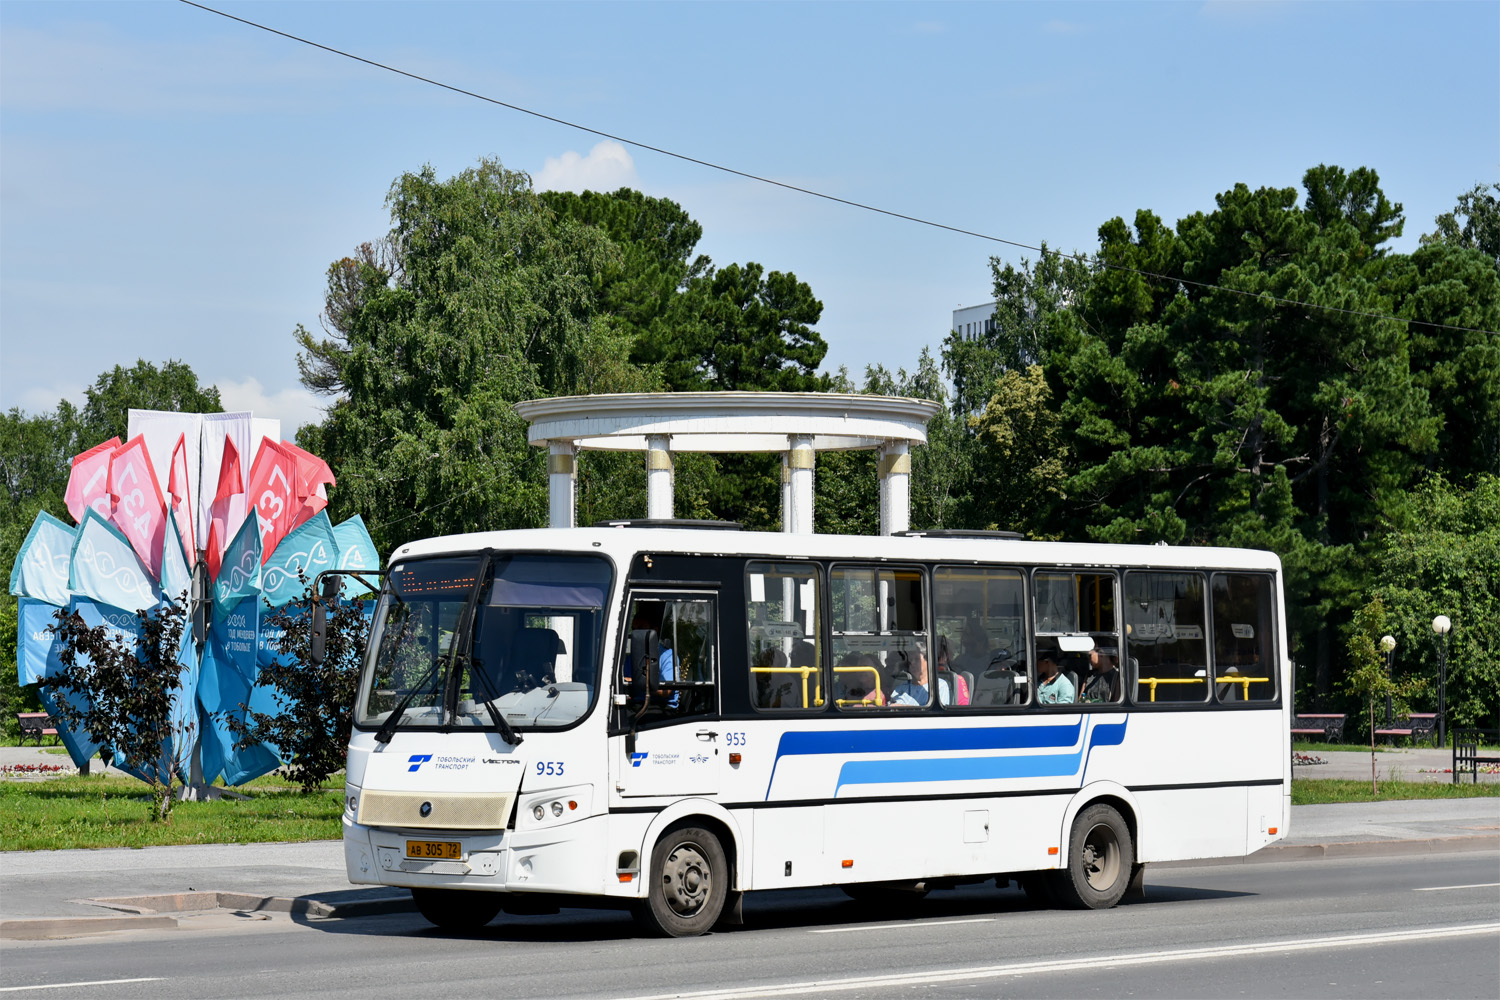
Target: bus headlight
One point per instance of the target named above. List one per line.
(540, 812)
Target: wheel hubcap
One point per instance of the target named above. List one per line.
(686, 879)
(1101, 858)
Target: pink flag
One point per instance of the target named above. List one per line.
(180, 490)
(273, 492)
(313, 474)
(88, 483)
(228, 508)
(139, 510)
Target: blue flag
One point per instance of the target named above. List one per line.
(226, 681)
(356, 551)
(309, 548)
(239, 573)
(106, 569)
(176, 574)
(41, 567)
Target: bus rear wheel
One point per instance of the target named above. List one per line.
(457, 909)
(1101, 859)
(689, 884)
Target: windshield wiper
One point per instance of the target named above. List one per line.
(388, 727)
(507, 734)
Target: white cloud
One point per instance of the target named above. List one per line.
(607, 168)
(293, 407)
(37, 399)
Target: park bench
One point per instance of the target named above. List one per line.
(1417, 725)
(36, 725)
(1466, 755)
(1329, 728)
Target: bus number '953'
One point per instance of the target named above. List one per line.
(734, 739)
(554, 767)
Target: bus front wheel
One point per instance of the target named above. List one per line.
(1101, 858)
(457, 909)
(689, 884)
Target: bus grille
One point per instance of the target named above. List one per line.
(445, 810)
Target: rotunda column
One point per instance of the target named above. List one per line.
(658, 477)
(895, 487)
(562, 466)
(797, 465)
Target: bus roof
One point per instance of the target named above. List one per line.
(623, 543)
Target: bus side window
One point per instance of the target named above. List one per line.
(1166, 637)
(980, 615)
(1244, 662)
(782, 630)
(879, 639)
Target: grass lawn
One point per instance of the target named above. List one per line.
(1317, 791)
(96, 811)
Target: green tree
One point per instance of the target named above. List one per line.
(315, 700)
(1033, 312)
(1438, 553)
(1368, 677)
(738, 328)
(107, 404)
(1479, 210)
(1021, 459)
(118, 688)
(478, 298)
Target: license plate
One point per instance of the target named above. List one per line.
(449, 850)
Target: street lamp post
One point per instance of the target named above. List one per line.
(1442, 626)
(1388, 646)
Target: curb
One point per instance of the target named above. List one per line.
(151, 912)
(51, 928)
(1277, 853)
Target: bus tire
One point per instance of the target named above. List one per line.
(689, 884)
(457, 909)
(1101, 860)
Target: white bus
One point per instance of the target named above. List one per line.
(665, 718)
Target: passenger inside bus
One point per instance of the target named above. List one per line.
(1103, 683)
(953, 685)
(857, 681)
(911, 681)
(1055, 687)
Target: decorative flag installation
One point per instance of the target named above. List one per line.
(217, 492)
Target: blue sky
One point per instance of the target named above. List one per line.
(174, 185)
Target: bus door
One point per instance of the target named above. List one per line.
(666, 732)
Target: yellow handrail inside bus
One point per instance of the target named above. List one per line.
(1153, 681)
(804, 671)
(859, 701)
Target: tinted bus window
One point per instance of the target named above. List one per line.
(1244, 659)
(781, 619)
(879, 638)
(1166, 637)
(980, 619)
(1077, 638)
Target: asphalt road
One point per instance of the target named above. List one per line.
(1355, 927)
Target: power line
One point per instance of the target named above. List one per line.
(1276, 299)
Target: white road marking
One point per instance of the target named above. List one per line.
(1081, 964)
(908, 925)
(91, 982)
(1444, 888)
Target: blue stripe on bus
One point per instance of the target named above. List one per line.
(863, 741)
(881, 772)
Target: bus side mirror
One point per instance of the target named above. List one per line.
(328, 589)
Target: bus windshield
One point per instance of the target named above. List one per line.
(464, 641)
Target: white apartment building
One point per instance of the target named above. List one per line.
(972, 321)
